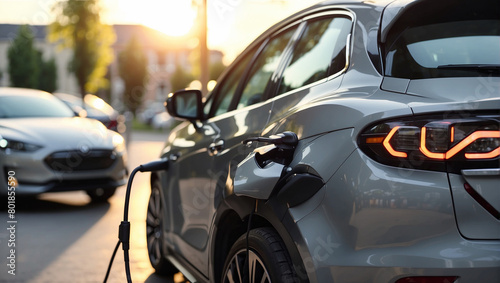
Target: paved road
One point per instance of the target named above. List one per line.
(64, 238)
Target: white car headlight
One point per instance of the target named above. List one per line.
(13, 145)
(118, 143)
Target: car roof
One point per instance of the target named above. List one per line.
(357, 2)
(376, 5)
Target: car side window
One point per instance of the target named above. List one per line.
(228, 87)
(320, 52)
(263, 68)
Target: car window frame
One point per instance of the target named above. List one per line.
(215, 95)
(257, 49)
(271, 85)
(304, 23)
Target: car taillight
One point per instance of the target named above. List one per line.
(112, 124)
(432, 142)
(428, 279)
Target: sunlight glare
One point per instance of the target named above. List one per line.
(172, 17)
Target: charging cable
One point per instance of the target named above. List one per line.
(124, 229)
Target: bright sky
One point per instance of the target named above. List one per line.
(232, 24)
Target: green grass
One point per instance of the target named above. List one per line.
(138, 126)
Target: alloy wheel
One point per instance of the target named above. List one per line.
(154, 227)
(256, 270)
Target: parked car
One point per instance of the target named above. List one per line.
(47, 148)
(354, 141)
(162, 121)
(94, 107)
(149, 111)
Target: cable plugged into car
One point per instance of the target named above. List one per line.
(124, 228)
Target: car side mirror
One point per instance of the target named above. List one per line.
(185, 104)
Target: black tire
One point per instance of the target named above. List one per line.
(101, 195)
(269, 259)
(154, 234)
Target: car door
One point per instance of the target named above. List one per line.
(205, 151)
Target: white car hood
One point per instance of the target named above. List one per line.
(61, 133)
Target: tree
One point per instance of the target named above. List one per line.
(180, 78)
(216, 70)
(23, 64)
(133, 70)
(216, 67)
(78, 26)
(47, 78)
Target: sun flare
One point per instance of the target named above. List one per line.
(172, 17)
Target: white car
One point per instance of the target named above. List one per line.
(46, 147)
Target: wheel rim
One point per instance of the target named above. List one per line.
(154, 227)
(256, 269)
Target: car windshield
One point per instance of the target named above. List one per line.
(21, 106)
(449, 49)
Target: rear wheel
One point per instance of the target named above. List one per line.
(268, 259)
(154, 233)
(101, 195)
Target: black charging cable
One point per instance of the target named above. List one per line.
(124, 229)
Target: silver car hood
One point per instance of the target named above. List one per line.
(62, 133)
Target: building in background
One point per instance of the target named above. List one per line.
(164, 54)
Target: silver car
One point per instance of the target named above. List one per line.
(45, 147)
(354, 141)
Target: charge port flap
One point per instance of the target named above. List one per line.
(474, 219)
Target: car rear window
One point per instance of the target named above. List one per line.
(32, 106)
(449, 49)
(445, 38)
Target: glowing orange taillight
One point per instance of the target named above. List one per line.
(388, 146)
(423, 147)
(472, 138)
(433, 140)
(461, 145)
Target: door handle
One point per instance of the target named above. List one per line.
(215, 147)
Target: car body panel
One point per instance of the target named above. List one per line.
(486, 182)
(47, 128)
(456, 89)
(474, 222)
(254, 181)
(199, 189)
